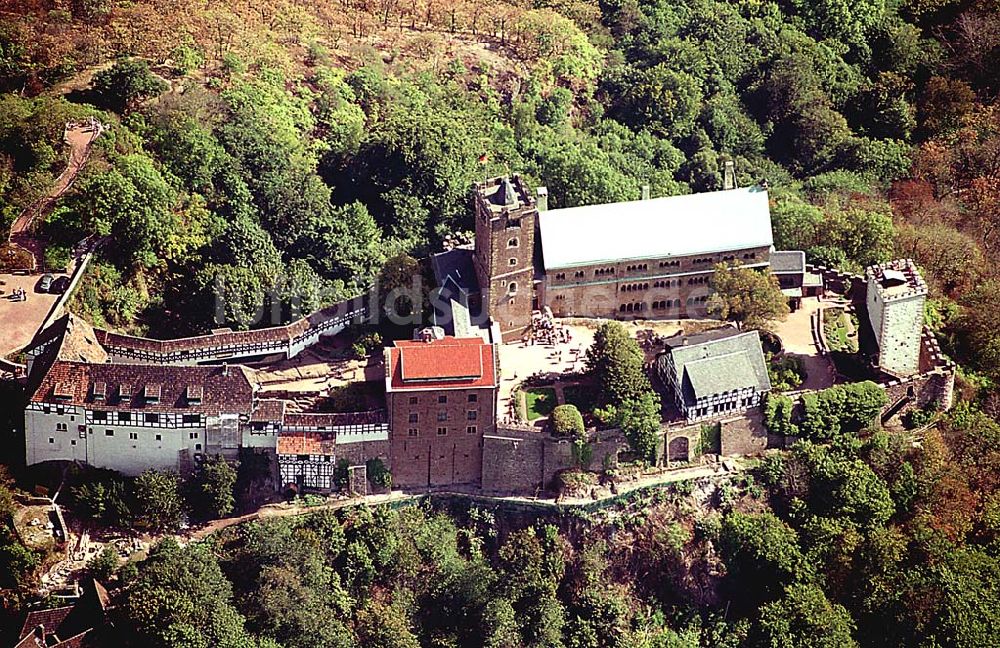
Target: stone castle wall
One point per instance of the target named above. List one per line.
(526, 460)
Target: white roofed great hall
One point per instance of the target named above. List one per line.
(650, 258)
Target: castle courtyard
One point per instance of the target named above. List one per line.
(796, 333)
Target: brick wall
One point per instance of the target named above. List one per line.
(428, 458)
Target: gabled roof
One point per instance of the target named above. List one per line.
(721, 374)
(306, 443)
(131, 387)
(717, 362)
(788, 262)
(448, 362)
(702, 223)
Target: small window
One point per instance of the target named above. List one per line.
(471, 415)
(51, 440)
(61, 427)
(191, 418)
(133, 435)
(513, 243)
(125, 416)
(414, 417)
(512, 261)
(442, 398)
(473, 398)
(470, 429)
(412, 432)
(414, 400)
(197, 446)
(72, 442)
(109, 433)
(100, 416)
(46, 409)
(151, 418)
(512, 288)
(159, 437)
(192, 435)
(442, 416)
(442, 431)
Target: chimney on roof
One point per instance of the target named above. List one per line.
(645, 192)
(728, 175)
(542, 198)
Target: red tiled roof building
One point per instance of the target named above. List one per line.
(441, 395)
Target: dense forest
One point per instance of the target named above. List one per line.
(292, 150)
(296, 150)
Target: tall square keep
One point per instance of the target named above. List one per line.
(896, 297)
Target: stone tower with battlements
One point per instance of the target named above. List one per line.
(504, 256)
(896, 295)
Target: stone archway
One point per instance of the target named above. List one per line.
(678, 449)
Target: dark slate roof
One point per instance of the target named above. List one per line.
(788, 261)
(454, 270)
(699, 338)
(505, 195)
(719, 361)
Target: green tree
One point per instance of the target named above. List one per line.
(210, 492)
(841, 408)
(103, 565)
(385, 626)
(17, 563)
(762, 555)
(639, 420)
(134, 201)
(750, 298)
(616, 360)
(804, 617)
(158, 502)
(181, 593)
(778, 415)
(126, 83)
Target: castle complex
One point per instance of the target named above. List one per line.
(432, 417)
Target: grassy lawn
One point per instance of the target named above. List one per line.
(540, 402)
(837, 326)
(583, 396)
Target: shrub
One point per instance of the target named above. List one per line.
(567, 421)
(778, 415)
(786, 372)
(842, 408)
(104, 564)
(378, 474)
(917, 418)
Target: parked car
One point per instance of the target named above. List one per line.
(46, 283)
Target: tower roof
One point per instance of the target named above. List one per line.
(505, 195)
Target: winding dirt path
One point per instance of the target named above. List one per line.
(80, 138)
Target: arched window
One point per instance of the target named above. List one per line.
(512, 288)
(512, 242)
